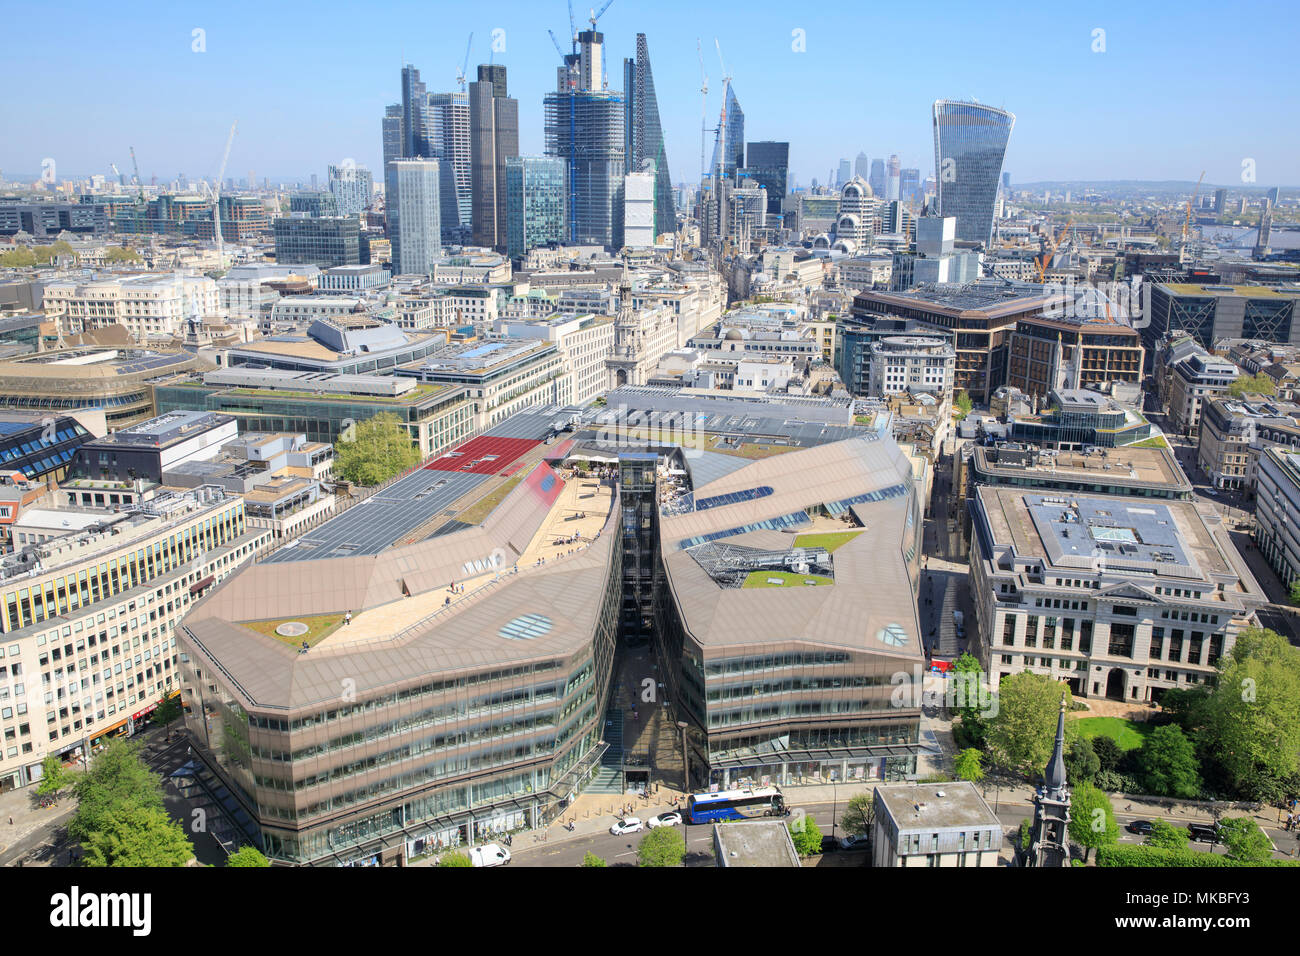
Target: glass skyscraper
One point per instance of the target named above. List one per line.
(535, 202)
(970, 144)
(767, 163)
(644, 135)
(414, 215)
(729, 145)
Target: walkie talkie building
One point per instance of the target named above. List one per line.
(970, 143)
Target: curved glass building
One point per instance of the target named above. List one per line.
(970, 143)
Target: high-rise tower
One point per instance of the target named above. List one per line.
(729, 145)
(415, 141)
(494, 138)
(970, 144)
(447, 123)
(643, 136)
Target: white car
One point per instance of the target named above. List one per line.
(627, 825)
(670, 819)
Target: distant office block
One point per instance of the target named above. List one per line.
(416, 207)
(494, 137)
(320, 241)
(535, 202)
(351, 187)
(970, 143)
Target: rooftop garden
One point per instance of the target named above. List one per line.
(829, 540)
(779, 579)
(319, 627)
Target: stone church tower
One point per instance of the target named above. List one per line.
(1049, 843)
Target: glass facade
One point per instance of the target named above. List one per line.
(535, 203)
(970, 144)
(323, 241)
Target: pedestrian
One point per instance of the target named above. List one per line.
(11, 821)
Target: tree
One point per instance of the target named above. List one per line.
(1259, 384)
(590, 859)
(1021, 735)
(1025, 834)
(135, 835)
(859, 815)
(168, 709)
(19, 258)
(122, 254)
(807, 836)
(54, 776)
(1092, 820)
(663, 846)
(1245, 841)
(970, 765)
(1295, 592)
(1108, 752)
(1168, 764)
(1166, 836)
(247, 856)
(1252, 719)
(377, 449)
(965, 678)
(455, 858)
(964, 404)
(1081, 763)
(116, 779)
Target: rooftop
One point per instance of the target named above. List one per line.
(931, 807)
(754, 843)
(1128, 465)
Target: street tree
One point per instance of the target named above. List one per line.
(859, 815)
(247, 856)
(1166, 836)
(1020, 737)
(117, 778)
(54, 777)
(663, 846)
(134, 835)
(377, 449)
(807, 836)
(168, 709)
(1168, 763)
(1092, 819)
(970, 765)
(590, 859)
(1245, 841)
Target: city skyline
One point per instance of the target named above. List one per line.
(184, 98)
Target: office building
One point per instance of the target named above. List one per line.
(500, 376)
(893, 184)
(536, 200)
(729, 143)
(911, 363)
(324, 242)
(638, 218)
(877, 178)
(393, 135)
(584, 127)
(1130, 471)
(314, 204)
(584, 341)
(352, 187)
(1051, 351)
(767, 163)
(415, 138)
(844, 173)
(862, 167)
(970, 143)
(414, 215)
(909, 189)
(1235, 432)
(1194, 379)
(45, 220)
(946, 824)
(1078, 418)
(1121, 598)
(644, 135)
(448, 125)
(494, 138)
(1277, 505)
(1214, 312)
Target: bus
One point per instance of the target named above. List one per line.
(735, 805)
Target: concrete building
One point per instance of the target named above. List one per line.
(352, 187)
(342, 343)
(145, 451)
(1048, 351)
(414, 215)
(89, 618)
(1078, 418)
(1277, 504)
(638, 215)
(911, 363)
(500, 376)
(146, 305)
(946, 824)
(764, 843)
(1131, 471)
(321, 241)
(494, 138)
(584, 341)
(1193, 380)
(1119, 597)
(1234, 433)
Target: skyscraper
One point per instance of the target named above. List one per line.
(877, 178)
(1006, 182)
(535, 202)
(352, 186)
(729, 143)
(862, 166)
(584, 127)
(894, 183)
(844, 174)
(909, 185)
(768, 164)
(414, 211)
(447, 123)
(493, 138)
(415, 142)
(644, 137)
(392, 129)
(970, 144)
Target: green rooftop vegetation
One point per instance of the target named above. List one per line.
(830, 540)
(319, 627)
(480, 509)
(1155, 441)
(785, 579)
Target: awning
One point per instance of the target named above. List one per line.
(200, 585)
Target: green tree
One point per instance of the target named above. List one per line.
(663, 846)
(1252, 719)
(1025, 834)
(963, 402)
(1092, 820)
(19, 258)
(590, 859)
(1081, 763)
(1168, 763)
(168, 709)
(1021, 735)
(1259, 384)
(54, 777)
(116, 779)
(247, 856)
(859, 815)
(1108, 752)
(376, 450)
(1295, 592)
(1245, 841)
(970, 765)
(122, 254)
(455, 858)
(135, 835)
(966, 678)
(1166, 836)
(807, 836)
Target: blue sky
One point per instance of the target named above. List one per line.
(1180, 87)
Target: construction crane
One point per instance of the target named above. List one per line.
(460, 77)
(139, 185)
(1187, 221)
(558, 49)
(573, 30)
(596, 16)
(722, 121)
(1049, 253)
(216, 199)
(704, 107)
(121, 180)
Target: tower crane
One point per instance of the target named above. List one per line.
(573, 30)
(460, 77)
(722, 121)
(1049, 253)
(121, 180)
(594, 16)
(1187, 221)
(556, 43)
(136, 181)
(216, 199)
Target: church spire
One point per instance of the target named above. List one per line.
(1054, 775)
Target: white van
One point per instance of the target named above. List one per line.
(490, 854)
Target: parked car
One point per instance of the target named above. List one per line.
(490, 854)
(854, 842)
(830, 844)
(1204, 832)
(670, 819)
(1140, 827)
(627, 825)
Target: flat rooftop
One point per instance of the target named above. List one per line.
(1128, 465)
(754, 843)
(941, 806)
(1249, 291)
(166, 429)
